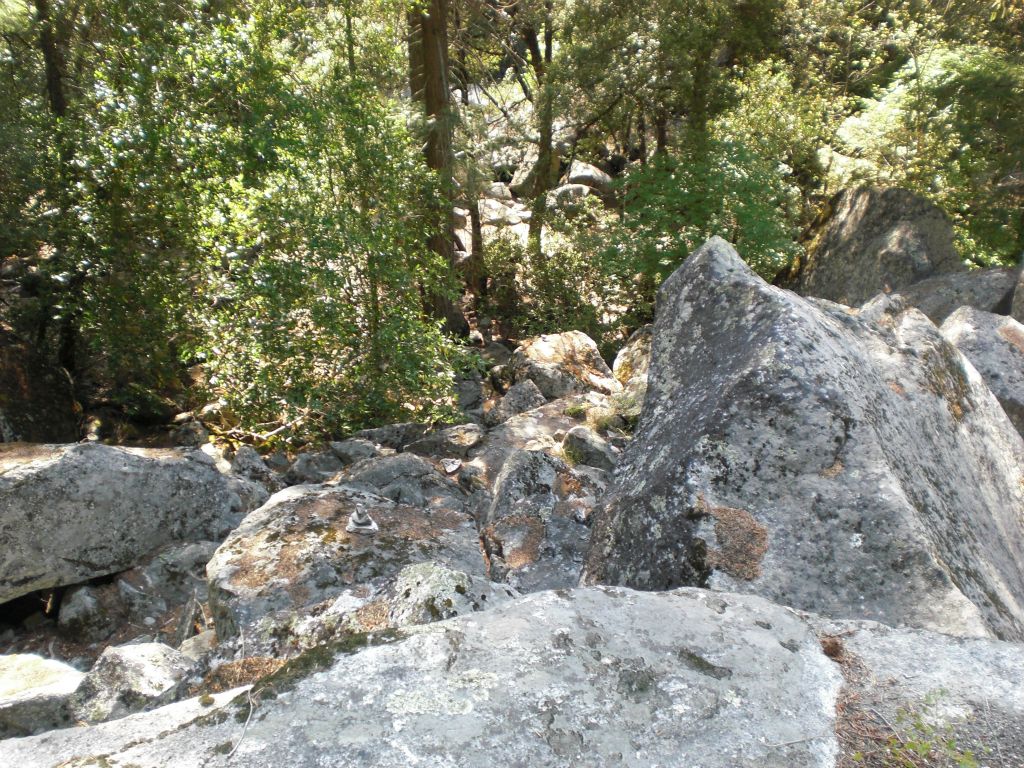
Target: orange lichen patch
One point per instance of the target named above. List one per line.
(519, 538)
(372, 617)
(1013, 335)
(316, 534)
(896, 387)
(742, 542)
(567, 484)
(834, 471)
(237, 673)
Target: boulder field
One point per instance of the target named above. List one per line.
(808, 552)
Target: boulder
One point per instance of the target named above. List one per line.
(995, 346)
(71, 513)
(1017, 300)
(959, 698)
(352, 450)
(33, 694)
(520, 397)
(582, 446)
(562, 364)
(248, 464)
(594, 677)
(534, 532)
(418, 594)
(569, 196)
(407, 479)
(127, 679)
(91, 614)
(851, 465)
(37, 402)
(395, 436)
(295, 553)
(876, 240)
(450, 442)
(990, 290)
(313, 468)
(592, 177)
(540, 428)
(78, 746)
(634, 360)
(171, 578)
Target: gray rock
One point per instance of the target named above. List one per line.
(129, 678)
(313, 468)
(1017, 300)
(33, 694)
(450, 442)
(247, 463)
(534, 532)
(520, 397)
(990, 290)
(957, 695)
(90, 614)
(295, 553)
(634, 360)
(395, 436)
(562, 364)
(535, 429)
(570, 197)
(582, 446)
(72, 513)
(81, 745)
(406, 479)
(171, 578)
(853, 466)
(597, 677)
(469, 392)
(354, 449)
(249, 494)
(199, 647)
(592, 177)
(995, 346)
(876, 240)
(496, 353)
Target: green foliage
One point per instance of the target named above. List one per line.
(561, 287)
(942, 127)
(674, 204)
(224, 189)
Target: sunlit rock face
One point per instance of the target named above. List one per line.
(852, 464)
(876, 240)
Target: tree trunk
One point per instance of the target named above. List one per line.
(56, 95)
(428, 81)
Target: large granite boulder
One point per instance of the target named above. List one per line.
(129, 678)
(37, 402)
(534, 531)
(74, 512)
(876, 240)
(34, 693)
(995, 346)
(595, 677)
(852, 465)
(406, 479)
(990, 290)
(295, 553)
(563, 364)
(520, 397)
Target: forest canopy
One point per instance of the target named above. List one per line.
(281, 206)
